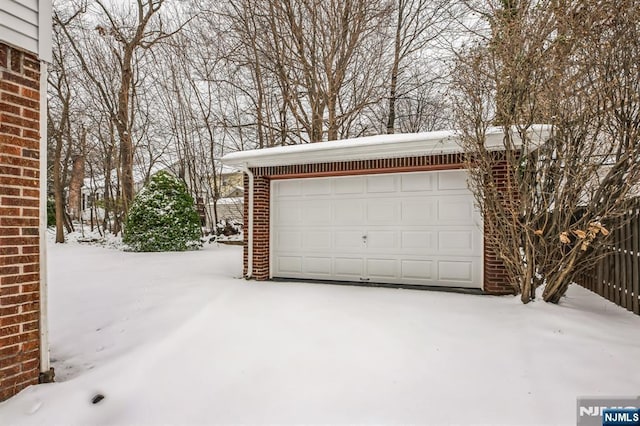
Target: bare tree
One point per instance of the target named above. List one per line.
(548, 206)
(125, 35)
(76, 180)
(307, 57)
(417, 24)
(59, 121)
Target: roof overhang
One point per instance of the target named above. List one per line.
(375, 148)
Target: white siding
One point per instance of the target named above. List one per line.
(26, 24)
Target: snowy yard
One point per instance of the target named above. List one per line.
(178, 338)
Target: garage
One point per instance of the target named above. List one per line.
(389, 210)
(416, 228)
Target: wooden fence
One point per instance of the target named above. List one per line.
(616, 276)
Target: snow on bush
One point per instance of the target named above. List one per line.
(228, 227)
(162, 217)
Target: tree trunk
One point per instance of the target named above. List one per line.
(558, 284)
(58, 189)
(124, 132)
(75, 187)
(58, 193)
(393, 87)
(332, 125)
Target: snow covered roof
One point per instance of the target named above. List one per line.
(370, 148)
(229, 201)
(224, 169)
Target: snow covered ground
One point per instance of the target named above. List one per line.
(179, 338)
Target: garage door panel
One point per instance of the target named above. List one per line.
(348, 240)
(419, 211)
(348, 212)
(382, 269)
(381, 183)
(289, 264)
(288, 240)
(317, 240)
(289, 213)
(461, 242)
(456, 271)
(452, 180)
(417, 270)
(349, 185)
(289, 188)
(317, 265)
(316, 212)
(352, 267)
(382, 211)
(311, 187)
(416, 182)
(382, 240)
(455, 210)
(423, 241)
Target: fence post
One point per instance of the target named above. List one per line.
(617, 264)
(628, 255)
(635, 275)
(600, 271)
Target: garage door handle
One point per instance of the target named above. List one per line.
(364, 238)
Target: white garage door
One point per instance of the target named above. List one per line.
(403, 228)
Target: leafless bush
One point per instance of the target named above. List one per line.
(572, 65)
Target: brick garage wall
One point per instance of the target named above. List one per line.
(19, 223)
(496, 280)
(261, 202)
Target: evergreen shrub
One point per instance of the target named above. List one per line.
(162, 217)
(51, 212)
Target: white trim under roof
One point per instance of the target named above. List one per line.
(371, 148)
(45, 30)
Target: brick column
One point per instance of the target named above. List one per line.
(496, 279)
(261, 203)
(261, 200)
(245, 224)
(19, 224)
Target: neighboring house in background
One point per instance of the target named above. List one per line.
(389, 210)
(91, 196)
(231, 182)
(25, 49)
(229, 204)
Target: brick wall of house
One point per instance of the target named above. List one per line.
(495, 277)
(19, 223)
